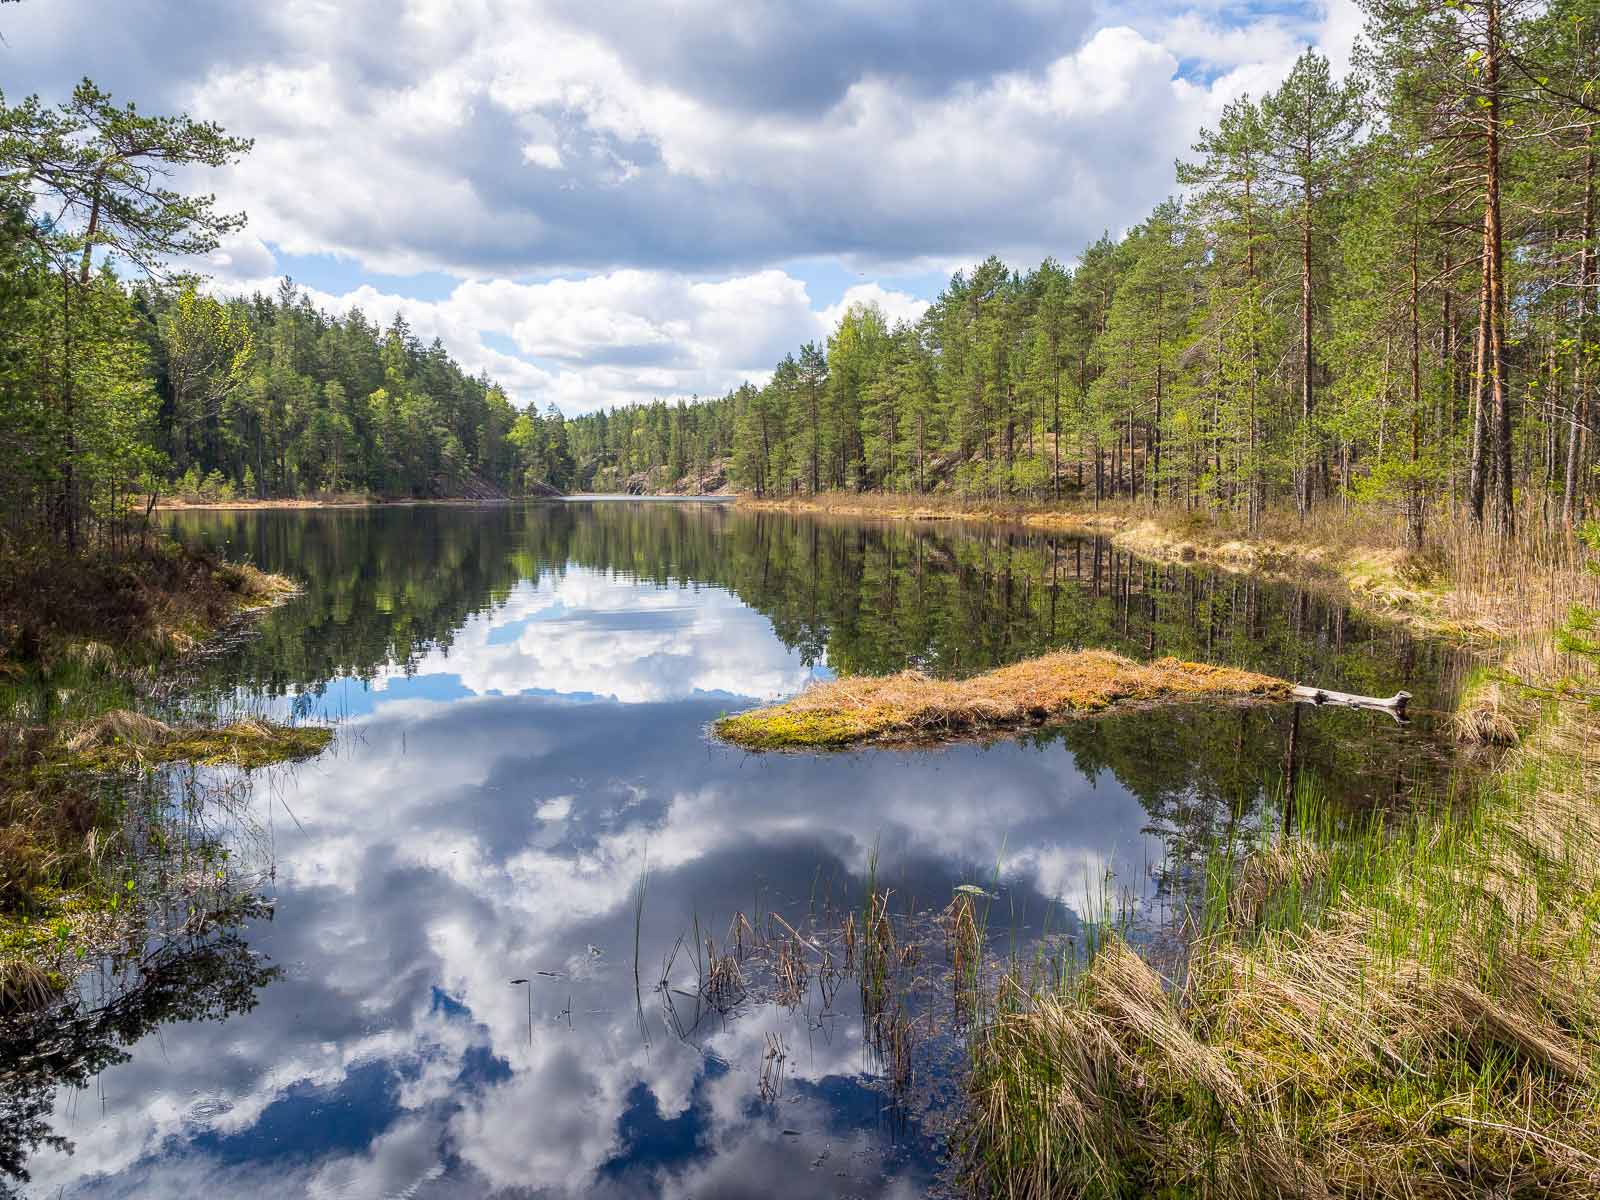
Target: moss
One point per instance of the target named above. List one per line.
(246, 744)
(775, 729)
(911, 707)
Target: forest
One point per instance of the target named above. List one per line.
(122, 378)
(1378, 289)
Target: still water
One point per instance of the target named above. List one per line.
(469, 953)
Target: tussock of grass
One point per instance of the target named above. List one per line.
(118, 727)
(1369, 1010)
(25, 984)
(910, 706)
(1483, 716)
(248, 744)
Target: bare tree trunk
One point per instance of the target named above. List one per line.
(1153, 470)
(1306, 360)
(1055, 473)
(1417, 498)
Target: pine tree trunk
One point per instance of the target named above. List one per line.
(1305, 350)
(1055, 471)
(1497, 296)
(1477, 485)
(1417, 498)
(1571, 501)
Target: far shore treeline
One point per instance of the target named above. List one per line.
(1377, 289)
(1380, 289)
(121, 379)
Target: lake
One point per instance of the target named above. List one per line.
(469, 954)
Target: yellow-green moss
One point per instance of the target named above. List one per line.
(246, 744)
(778, 729)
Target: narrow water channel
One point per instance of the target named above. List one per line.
(470, 954)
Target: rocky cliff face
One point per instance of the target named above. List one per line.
(476, 487)
(711, 482)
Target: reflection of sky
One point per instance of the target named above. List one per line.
(485, 816)
(443, 848)
(586, 635)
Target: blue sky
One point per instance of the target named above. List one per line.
(600, 203)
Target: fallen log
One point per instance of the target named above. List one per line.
(1395, 705)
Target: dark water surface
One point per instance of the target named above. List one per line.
(521, 695)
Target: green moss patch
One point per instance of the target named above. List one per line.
(123, 739)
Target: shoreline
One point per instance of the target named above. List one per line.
(1373, 577)
(1377, 577)
(316, 502)
(78, 756)
(338, 502)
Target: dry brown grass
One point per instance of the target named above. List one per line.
(1514, 588)
(326, 500)
(119, 727)
(1483, 716)
(1429, 1028)
(911, 706)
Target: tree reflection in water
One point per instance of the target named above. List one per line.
(207, 977)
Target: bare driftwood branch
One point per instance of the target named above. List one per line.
(1394, 705)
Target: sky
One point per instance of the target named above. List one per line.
(602, 203)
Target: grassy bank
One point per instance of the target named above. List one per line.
(911, 707)
(1393, 1004)
(1406, 1010)
(1460, 585)
(82, 641)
